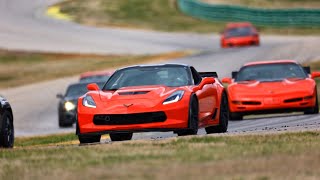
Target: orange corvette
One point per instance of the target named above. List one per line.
(95, 76)
(170, 97)
(272, 87)
(239, 34)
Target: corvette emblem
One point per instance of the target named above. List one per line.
(107, 118)
(127, 105)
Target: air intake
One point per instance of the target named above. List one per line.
(133, 93)
(128, 119)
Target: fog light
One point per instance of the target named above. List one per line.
(308, 97)
(236, 102)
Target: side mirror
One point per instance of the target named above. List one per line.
(234, 74)
(227, 80)
(206, 80)
(315, 75)
(93, 87)
(60, 96)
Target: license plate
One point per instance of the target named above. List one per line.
(271, 101)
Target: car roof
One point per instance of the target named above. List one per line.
(238, 24)
(96, 73)
(157, 65)
(270, 62)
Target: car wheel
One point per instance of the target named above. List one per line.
(315, 109)
(120, 136)
(89, 138)
(193, 119)
(224, 117)
(235, 116)
(7, 130)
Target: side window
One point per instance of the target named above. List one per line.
(196, 77)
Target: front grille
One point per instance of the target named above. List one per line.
(127, 119)
(251, 103)
(293, 100)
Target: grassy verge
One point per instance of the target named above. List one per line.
(156, 14)
(45, 140)
(278, 156)
(20, 68)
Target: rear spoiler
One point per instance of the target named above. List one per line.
(209, 74)
(307, 69)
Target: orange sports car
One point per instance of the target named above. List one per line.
(272, 87)
(239, 34)
(169, 97)
(95, 76)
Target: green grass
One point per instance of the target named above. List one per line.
(20, 68)
(278, 156)
(44, 140)
(160, 15)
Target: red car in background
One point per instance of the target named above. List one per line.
(169, 97)
(95, 76)
(272, 87)
(240, 34)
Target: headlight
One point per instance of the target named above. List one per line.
(88, 102)
(69, 106)
(174, 97)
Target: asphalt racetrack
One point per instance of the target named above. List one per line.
(24, 26)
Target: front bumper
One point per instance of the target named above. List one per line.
(240, 42)
(68, 116)
(176, 117)
(271, 104)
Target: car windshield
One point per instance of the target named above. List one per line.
(150, 75)
(271, 72)
(96, 78)
(239, 32)
(77, 90)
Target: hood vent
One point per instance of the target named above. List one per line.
(133, 93)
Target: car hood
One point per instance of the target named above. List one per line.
(139, 97)
(285, 87)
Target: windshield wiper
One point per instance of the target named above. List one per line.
(294, 78)
(247, 80)
(114, 89)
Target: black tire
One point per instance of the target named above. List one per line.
(89, 138)
(224, 117)
(7, 130)
(193, 118)
(315, 109)
(120, 136)
(235, 116)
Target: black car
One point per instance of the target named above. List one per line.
(68, 103)
(6, 124)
